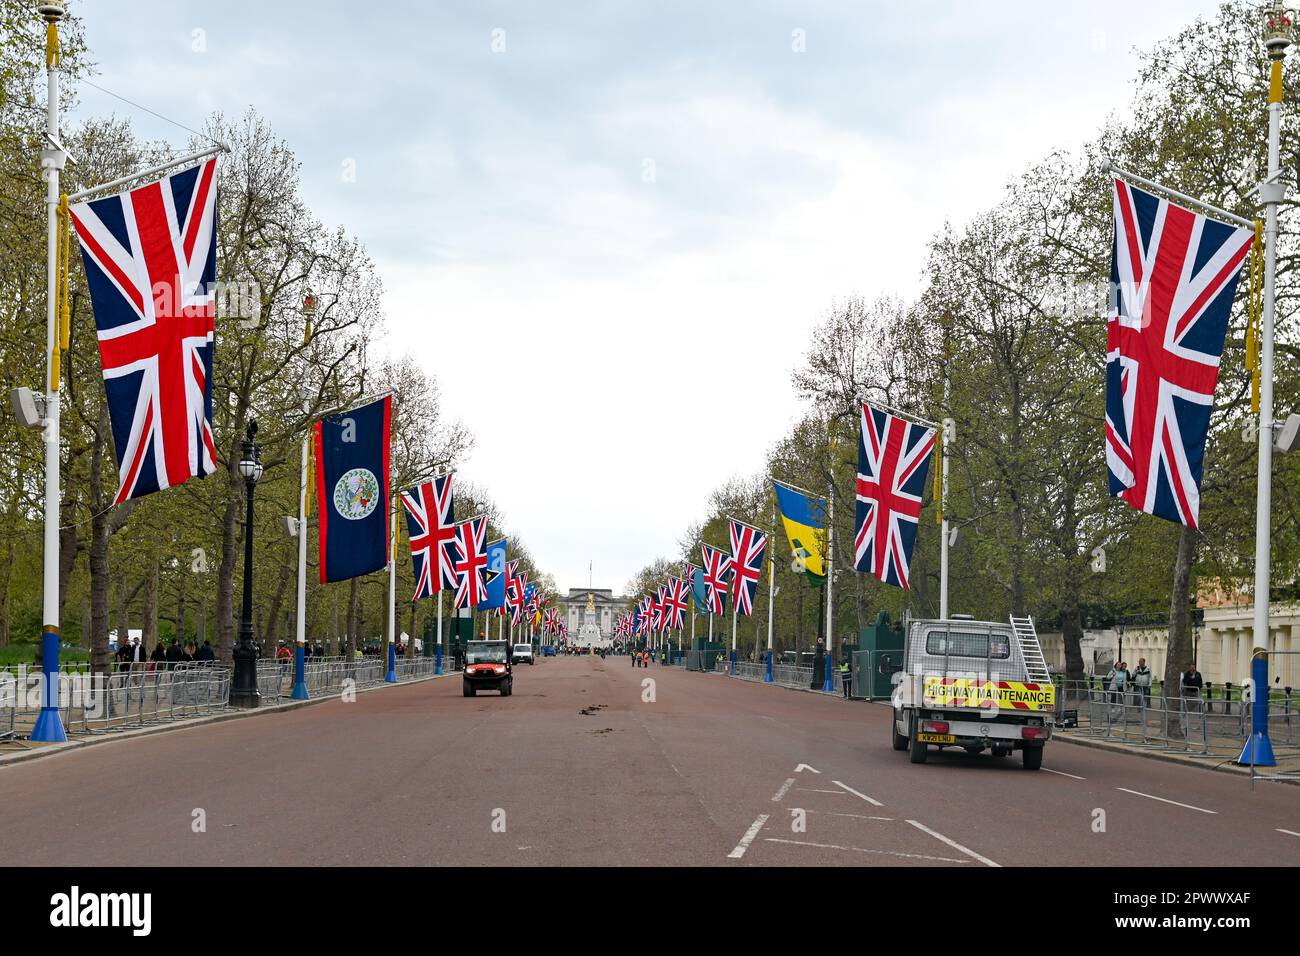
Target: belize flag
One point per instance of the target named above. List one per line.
(352, 490)
(496, 576)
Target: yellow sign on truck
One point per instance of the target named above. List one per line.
(977, 692)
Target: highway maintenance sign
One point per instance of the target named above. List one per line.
(977, 692)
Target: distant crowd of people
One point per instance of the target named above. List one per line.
(131, 655)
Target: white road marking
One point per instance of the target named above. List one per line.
(803, 766)
(785, 788)
(845, 786)
(858, 849)
(855, 816)
(1061, 773)
(834, 793)
(748, 838)
(1139, 793)
(954, 844)
(1288, 832)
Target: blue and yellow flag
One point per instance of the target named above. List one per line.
(805, 525)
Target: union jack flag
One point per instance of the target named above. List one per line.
(893, 459)
(431, 524)
(1173, 276)
(747, 547)
(471, 562)
(150, 256)
(717, 571)
(675, 606)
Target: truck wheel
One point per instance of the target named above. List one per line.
(899, 740)
(469, 691)
(916, 751)
(1033, 757)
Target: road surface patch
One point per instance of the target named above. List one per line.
(845, 786)
(1139, 793)
(748, 838)
(859, 849)
(954, 844)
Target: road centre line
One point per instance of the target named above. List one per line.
(954, 844)
(858, 849)
(834, 793)
(748, 838)
(870, 800)
(1062, 773)
(785, 788)
(1139, 793)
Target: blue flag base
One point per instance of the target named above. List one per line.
(49, 725)
(299, 675)
(732, 671)
(437, 661)
(767, 672)
(391, 676)
(1258, 751)
(828, 685)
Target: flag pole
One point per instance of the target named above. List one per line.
(734, 616)
(771, 596)
(828, 682)
(1258, 749)
(300, 645)
(437, 660)
(49, 725)
(391, 676)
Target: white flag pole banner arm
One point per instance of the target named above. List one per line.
(147, 173)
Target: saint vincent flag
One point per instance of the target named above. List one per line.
(805, 525)
(353, 496)
(496, 576)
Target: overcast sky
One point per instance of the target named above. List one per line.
(607, 228)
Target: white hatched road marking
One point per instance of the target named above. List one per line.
(1062, 773)
(1287, 832)
(845, 786)
(836, 793)
(803, 766)
(785, 788)
(1188, 806)
(954, 844)
(858, 849)
(748, 838)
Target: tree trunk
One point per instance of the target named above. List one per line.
(273, 618)
(6, 571)
(123, 614)
(230, 555)
(99, 580)
(353, 622)
(180, 608)
(1179, 654)
(150, 639)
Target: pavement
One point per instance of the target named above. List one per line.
(585, 764)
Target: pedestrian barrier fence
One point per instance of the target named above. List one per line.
(148, 693)
(1188, 723)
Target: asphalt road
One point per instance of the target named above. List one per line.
(577, 768)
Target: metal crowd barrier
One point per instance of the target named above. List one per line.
(1191, 724)
(148, 693)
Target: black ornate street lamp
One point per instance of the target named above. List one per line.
(243, 686)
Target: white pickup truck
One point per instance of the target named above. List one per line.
(978, 685)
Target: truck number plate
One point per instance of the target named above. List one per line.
(936, 738)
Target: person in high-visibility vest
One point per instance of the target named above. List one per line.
(846, 677)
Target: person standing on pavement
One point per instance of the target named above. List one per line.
(1191, 681)
(1142, 680)
(846, 677)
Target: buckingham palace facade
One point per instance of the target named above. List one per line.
(599, 606)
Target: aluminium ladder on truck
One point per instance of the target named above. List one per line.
(1031, 652)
